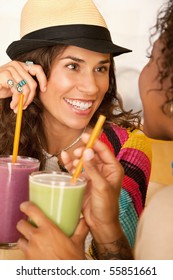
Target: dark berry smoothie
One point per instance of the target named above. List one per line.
(14, 189)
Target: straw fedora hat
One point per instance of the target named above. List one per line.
(69, 22)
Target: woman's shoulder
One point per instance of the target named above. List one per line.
(164, 196)
(116, 131)
(113, 136)
(126, 134)
(139, 141)
(124, 138)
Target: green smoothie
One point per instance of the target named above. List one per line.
(60, 200)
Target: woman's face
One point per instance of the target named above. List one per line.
(156, 123)
(78, 81)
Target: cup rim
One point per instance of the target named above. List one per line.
(31, 160)
(35, 173)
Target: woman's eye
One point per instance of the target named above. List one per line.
(101, 69)
(72, 66)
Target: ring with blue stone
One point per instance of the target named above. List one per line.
(20, 85)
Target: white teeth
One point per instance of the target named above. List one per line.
(80, 105)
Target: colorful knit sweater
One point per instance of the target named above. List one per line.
(133, 150)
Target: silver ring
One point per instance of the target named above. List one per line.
(29, 62)
(20, 85)
(10, 83)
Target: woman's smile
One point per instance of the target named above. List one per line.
(79, 105)
(78, 82)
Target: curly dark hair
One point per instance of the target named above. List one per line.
(164, 30)
(32, 131)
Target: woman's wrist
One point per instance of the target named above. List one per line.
(110, 243)
(119, 249)
(106, 233)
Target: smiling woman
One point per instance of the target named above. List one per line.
(84, 82)
(69, 84)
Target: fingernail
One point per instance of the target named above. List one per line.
(12, 105)
(88, 154)
(22, 206)
(18, 223)
(44, 89)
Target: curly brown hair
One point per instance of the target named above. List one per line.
(164, 30)
(32, 131)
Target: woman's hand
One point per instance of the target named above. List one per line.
(15, 72)
(101, 201)
(47, 241)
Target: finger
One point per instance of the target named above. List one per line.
(8, 80)
(102, 150)
(34, 70)
(68, 163)
(89, 163)
(26, 229)
(20, 88)
(79, 151)
(80, 233)
(102, 187)
(6, 74)
(22, 244)
(29, 64)
(34, 213)
(15, 73)
(37, 71)
(18, 71)
(65, 157)
(28, 89)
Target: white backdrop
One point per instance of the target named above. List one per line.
(129, 22)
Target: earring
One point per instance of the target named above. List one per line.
(168, 108)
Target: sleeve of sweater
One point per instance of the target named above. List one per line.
(133, 150)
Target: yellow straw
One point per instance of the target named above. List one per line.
(17, 129)
(95, 133)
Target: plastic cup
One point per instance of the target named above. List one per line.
(14, 189)
(60, 200)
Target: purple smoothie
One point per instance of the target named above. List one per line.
(14, 189)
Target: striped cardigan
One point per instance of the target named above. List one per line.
(133, 150)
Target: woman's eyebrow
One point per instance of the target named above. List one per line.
(77, 59)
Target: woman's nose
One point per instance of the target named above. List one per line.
(88, 84)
